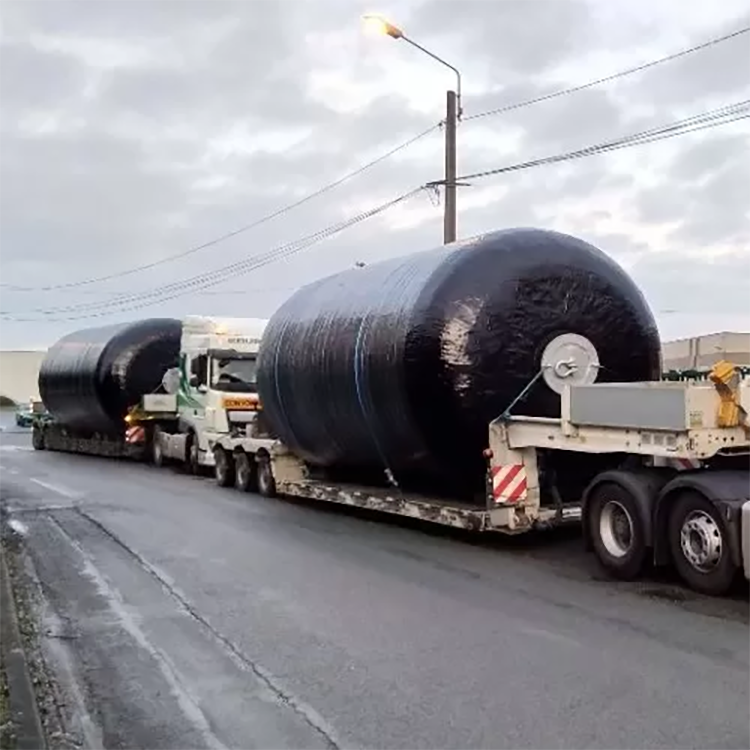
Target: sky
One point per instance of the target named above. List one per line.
(134, 131)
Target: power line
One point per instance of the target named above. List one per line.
(129, 292)
(228, 235)
(612, 77)
(710, 119)
(203, 281)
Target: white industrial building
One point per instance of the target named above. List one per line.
(19, 371)
(701, 352)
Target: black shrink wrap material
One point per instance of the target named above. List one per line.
(91, 378)
(403, 363)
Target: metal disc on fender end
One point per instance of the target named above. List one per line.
(91, 378)
(569, 359)
(403, 363)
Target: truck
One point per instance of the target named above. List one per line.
(656, 472)
(212, 392)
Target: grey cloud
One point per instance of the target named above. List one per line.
(570, 122)
(31, 79)
(711, 209)
(125, 188)
(707, 156)
(111, 18)
(717, 74)
(673, 282)
(519, 37)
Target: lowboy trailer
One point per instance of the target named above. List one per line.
(656, 471)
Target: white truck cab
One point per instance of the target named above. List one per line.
(214, 389)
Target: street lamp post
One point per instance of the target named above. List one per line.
(453, 113)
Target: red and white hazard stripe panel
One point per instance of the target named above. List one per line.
(135, 435)
(508, 483)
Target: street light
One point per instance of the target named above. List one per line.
(378, 24)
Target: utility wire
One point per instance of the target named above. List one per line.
(241, 230)
(203, 281)
(711, 119)
(612, 77)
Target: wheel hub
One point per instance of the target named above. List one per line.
(616, 529)
(700, 539)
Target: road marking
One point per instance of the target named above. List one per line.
(64, 491)
(44, 508)
(129, 623)
(551, 636)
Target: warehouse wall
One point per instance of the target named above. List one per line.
(19, 371)
(701, 352)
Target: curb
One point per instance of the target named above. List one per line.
(23, 709)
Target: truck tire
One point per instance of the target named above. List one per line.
(617, 533)
(192, 460)
(244, 472)
(266, 481)
(699, 545)
(224, 468)
(157, 449)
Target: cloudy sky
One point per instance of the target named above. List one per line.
(135, 130)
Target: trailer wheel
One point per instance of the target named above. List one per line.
(244, 472)
(37, 438)
(224, 468)
(266, 481)
(617, 532)
(157, 449)
(699, 544)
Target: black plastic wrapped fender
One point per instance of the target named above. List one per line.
(91, 378)
(402, 364)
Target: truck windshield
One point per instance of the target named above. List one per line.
(236, 375)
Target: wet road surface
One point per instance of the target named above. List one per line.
(181, 615)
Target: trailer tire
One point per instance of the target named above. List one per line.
(244, 472)
(224, 468)
(157, 449)
(37, 438)
(700, 545)
(617, 531)
(266, 481)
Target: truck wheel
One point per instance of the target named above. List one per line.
(157, 449)
(244, 472)
(192, 460)
(617, 532)
(37, 438)
(698, 541)
(266, 481)
(224, 468)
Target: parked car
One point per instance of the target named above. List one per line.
(25, 413)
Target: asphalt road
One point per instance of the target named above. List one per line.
(182, 615)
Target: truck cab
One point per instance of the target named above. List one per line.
(215, 387)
